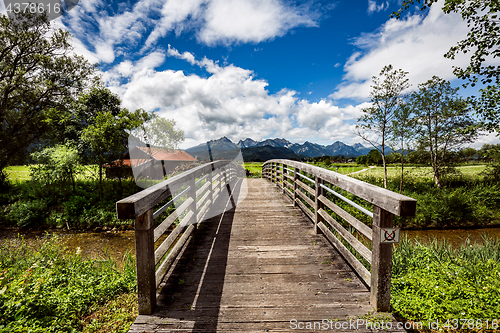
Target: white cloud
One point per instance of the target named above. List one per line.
(415, 44)
(373, 7)
(213, 22)
(234, 21)
(230, 102)
(487, 138)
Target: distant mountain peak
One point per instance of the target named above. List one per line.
(308, 149)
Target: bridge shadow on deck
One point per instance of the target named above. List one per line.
(253, 269)
(190, 297)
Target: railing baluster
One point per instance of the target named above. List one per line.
(318, 204)
(192, 194)
(380, 292)
(295, 186)
(145, 259)
(283, 177)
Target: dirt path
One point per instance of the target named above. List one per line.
(352, 173)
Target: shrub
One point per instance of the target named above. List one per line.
(434, 281)
(44, 289)
(26, 213)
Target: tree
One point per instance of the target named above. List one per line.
(440, 118)
(374, 157)
(362, 159)
(159, 132)
(483, 40)
(375, 126)
(402, 136)
(56, 165)
(39, 77)
(467, 154)
(107, 137)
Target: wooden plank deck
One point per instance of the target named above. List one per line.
(254, 269)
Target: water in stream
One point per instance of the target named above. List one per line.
(93, 244)
(116, 244)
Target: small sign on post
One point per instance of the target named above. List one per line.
(389, 235)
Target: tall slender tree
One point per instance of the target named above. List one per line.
(441, 117)
(375, 125)
(402, 135)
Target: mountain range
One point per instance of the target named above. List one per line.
(222, 147)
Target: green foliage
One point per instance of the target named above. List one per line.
(362, 159)
(28, 213)
(4, 180)
(436, 282)
(40, 78)
(440, 117)
(462, 200)
(43, 289)
(58, 164)
(159, 132)
(387, 99)
(481, 42)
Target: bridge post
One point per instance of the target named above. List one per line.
(295, 178)
(380, 291)
(145, 262)
(317, 204)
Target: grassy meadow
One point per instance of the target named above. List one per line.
(45, 289)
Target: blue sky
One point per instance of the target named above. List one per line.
(300, 70)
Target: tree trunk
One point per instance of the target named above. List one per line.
(100, 181)
(402, 169)
(385, 171)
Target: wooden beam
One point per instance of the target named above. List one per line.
(317, 204)
(351, 259)
(380, 291)
(145, 263)
(392, 202)
(137, 204)
(360, 226)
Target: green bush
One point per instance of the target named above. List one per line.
(28, 213)
(44, 289)
(76, 205)
(434, 281)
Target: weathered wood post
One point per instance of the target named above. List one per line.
(380, 291)
(192, 194)
(145, 262)
(318, 204)
(295, 188)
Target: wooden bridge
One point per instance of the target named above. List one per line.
(241, 255)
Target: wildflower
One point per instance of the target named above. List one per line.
(78, 251)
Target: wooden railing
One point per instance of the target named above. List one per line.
(197, 189)
(292, 177)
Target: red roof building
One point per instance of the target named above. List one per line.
(153, 163)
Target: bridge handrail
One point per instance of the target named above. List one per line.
(199, 187)
(385, 204)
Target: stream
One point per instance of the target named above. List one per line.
(117, 243)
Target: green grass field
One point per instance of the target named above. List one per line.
(424, 173)
(21, 173)
(255, 168)
(18, 173)
(343, 168)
